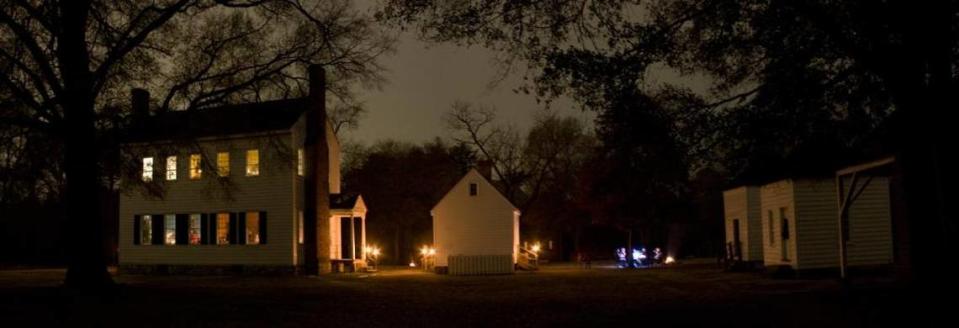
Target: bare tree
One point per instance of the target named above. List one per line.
(346, 117)
(502, 145)
(65, 62)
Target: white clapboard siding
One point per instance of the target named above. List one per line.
(743, 204)
(464, 265)
(272, 191)
(870, 224)
(482, 225)
(818, 228)
(774, 197)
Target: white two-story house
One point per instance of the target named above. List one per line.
(222, 189)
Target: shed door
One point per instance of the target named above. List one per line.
(738, 249)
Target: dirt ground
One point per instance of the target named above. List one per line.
(558, 295)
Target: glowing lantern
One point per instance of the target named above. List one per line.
(412, 264)
(669, 260)
(536, 248)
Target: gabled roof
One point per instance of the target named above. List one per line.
(482, 179)
(344, 201)
(219, 121)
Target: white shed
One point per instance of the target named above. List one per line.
(743, 225)
(475, 228)
(800, 226)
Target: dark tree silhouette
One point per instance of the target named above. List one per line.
(401, 183)
(66, 64)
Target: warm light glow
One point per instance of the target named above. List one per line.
(252, 162)
(300, 167)
(670, 260)
(427, 251)
(223, 164)
(536, 248)
(372, 251)
(195, 170)
(412, 264)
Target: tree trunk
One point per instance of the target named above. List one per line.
(928, 101)
(86, 266)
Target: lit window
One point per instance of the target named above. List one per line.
(252, 162)
(146, 230)
(299, 162)
(223, 164)
(252, 228)
(171, 168)
(169, 229)
(472, 189)
(195, 170)
(299, 226)
(148, 169)
(194, 229)
(222, 228)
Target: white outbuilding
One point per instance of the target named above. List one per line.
(475, 229)
(743, 224)
(800, 228)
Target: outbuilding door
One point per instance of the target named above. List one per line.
(737, 245)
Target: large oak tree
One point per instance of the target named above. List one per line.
(67, 68)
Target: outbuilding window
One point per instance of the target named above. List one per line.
(300, 167)
(772, 229)
(299, 226)
(473, 189)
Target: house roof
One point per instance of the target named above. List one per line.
(344, 201)
(217, 121)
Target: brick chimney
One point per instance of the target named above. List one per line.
(485, 167)
(316, 212)
(140, 104)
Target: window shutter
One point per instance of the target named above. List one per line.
(157, 229)
(204, 229)
(211, 219)
(231, 234)
(182, 229)
(263, 227)
(241, 228)
(136, 229)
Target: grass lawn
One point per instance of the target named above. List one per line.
(558, 295)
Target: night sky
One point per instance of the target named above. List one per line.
(424, 79)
